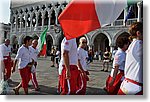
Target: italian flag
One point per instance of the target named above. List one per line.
(42, 43)
(83, 16)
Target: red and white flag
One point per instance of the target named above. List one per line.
(83, 16)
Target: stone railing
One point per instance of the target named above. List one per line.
(117, 23)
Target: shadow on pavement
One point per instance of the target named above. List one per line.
(95, 91)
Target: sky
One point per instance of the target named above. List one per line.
(4, 11)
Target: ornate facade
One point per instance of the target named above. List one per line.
(30, 18)
(4, 32)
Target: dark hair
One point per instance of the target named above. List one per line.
(122, 41)
(137, 26)
(27, 38)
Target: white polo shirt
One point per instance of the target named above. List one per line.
(71, 46)
(119, 59)
(6, 50)
(134, 61)
(24, 57)
(82, 56)
(34, 53)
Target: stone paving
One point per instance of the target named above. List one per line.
(48, 79)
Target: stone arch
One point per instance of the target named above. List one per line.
(102, 32)
(59, 40)
(40, 19)
(53, 17)
(35, 36)
(50, 42)
(46, 19)
(101, 42)
(34, 20)
(119, 34)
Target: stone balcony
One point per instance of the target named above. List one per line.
(118, 24)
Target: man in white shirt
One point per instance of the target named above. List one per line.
(114, 80)
(34, 55)
(68, 70)
(82, 66)
(6, 52)
(24, 65)
(133, 82)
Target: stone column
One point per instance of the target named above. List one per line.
(11, 21)
(16, 19)
(31, 19)
(43, 17)
(26, 17)
(139, 5)
(37, 16)
(125, 14)
(56, 20)
(20, 23)
(49, 21)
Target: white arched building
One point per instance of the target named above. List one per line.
(30, 17)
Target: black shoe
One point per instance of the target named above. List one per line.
(52, 66)
(106, 71)
(102, 69)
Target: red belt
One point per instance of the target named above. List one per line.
(72, 67)
(132, 81)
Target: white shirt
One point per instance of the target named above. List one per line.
(71, 46)
(57, 54)
(134, 61)
(82, 56)
(6, 50)
(34, 53)
(24, 57)
(113, 53)
(119, 59)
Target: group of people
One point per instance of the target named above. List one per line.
(72, 68)
(126, 76)
(27, 56)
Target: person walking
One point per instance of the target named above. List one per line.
(6, 52)
(68, 70)
(133, 82)
(34, 55)
(24, 65)
(82, 66)
(116, 76)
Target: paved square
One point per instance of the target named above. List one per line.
(48, 79)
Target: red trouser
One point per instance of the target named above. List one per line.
(34, 80)
(82, 83)
(113, 90)
(25, 74)
(8, 65)
(69, 86)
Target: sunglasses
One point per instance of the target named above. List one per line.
(84, 42)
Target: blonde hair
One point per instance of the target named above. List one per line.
(82, 39)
